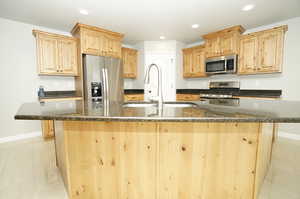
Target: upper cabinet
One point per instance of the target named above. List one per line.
(223, 42)
(248, 56)
(129, 59)
(194, 62)
(262, 52)
(56, 54)
(98, 41)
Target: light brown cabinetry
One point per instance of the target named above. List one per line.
(248, 56)
(98, 41)
(134, 97)
(129, 59)
(194, 62)
(262, 52)
(187, 97)
(48, 129)
(56, 54)
(194, 160)
(223, 42)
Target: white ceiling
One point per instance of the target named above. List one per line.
(143, 20)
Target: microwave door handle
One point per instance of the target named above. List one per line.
(225, 65)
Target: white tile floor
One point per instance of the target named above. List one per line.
(283, 179)
(28, 171)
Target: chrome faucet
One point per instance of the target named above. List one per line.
(159, 97)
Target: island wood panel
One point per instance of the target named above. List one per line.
(264, 153)
(160, 160)
(62, 159)
(48, 129)
(207, 160)
(113, 159)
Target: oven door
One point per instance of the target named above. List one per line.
(215, 66)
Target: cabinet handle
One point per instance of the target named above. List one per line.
(57, 70)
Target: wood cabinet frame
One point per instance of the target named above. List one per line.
(56, 54)
(262, 52)
(130, 62)
(194, 62)
(98, 41)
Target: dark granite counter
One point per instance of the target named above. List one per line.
(243, 92)
(59, 94)
(229, 110)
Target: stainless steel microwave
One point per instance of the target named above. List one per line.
(221, 65)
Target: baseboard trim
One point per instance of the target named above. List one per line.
(20, 137)
(291, 136)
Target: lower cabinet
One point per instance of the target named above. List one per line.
(48, 129)
(134, 97)
(187, 97)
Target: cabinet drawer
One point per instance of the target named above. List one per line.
(134, 97)
(187, 97)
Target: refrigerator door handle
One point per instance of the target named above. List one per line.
(104, 86)
(106, 83)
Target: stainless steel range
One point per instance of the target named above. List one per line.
(221, 90)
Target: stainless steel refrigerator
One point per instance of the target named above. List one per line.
(103, 79)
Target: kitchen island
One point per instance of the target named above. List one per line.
(210, 149)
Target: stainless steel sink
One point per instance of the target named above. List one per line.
(165, 104)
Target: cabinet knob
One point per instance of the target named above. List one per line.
(57, 70)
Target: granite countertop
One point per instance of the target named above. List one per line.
(243, 92)
(59, 94)
(213, 110)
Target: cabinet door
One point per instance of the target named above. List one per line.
(116, 48)
(91, 42)
(187, 97)
(67, 50)
(213, 47)
(198, 67)
(47, 55)
(248, 56)
(134, 97)
(187, 62)
(270, 51)
(129, 57)
(228, 44)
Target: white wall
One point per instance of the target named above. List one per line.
(288, 80)
(162, 53)
(180, 81)
(18, 77)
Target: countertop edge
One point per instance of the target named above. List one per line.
(166, 119)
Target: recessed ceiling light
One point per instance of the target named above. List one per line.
(84, 12)
(195, 26)
(162, 37)
(248, 7)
